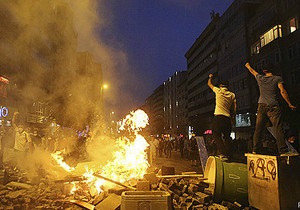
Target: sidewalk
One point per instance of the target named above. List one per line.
(180, 164)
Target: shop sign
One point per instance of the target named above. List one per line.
(3, 111)
(208, 132)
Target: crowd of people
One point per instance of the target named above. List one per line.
(189, 150)
(21, 139)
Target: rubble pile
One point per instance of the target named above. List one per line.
(16, 195)
(193, 193)
(187, 192)
(17, 192)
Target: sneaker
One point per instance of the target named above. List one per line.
(289, 154)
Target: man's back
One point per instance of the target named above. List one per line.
(268, 87)
(224, 100)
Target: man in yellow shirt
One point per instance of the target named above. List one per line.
(224, 116)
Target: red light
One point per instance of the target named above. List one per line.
(208, 132)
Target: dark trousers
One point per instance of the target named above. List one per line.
(265, 114)
(222, 126)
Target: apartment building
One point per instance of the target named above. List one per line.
(257, 31)
(249, 30)
(171, 103)
(154, 107)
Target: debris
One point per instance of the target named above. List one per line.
(83, 204)
(18, 185)
(112, 202)
(113, 181)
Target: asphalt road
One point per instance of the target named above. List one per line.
(180, 164)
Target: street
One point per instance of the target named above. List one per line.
(180, 164)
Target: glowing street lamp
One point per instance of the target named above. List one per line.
(104, 86)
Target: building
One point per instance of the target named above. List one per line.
(249, 30)
(274, 37)
(171, 103)
(201, 61)
(182, 109)
(154, 107)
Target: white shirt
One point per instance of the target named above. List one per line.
(224, 100)
(20, 140)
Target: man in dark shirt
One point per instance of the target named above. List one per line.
(269, 109)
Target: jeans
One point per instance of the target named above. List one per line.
(267, 113)
(222, 125)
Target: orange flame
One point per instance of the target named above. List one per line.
(57, 156)
(130, 161)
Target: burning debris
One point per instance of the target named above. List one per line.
(181, 192)
(124, 182)
(129, 164)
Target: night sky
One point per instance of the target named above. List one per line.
(154, 35)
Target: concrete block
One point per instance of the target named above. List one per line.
(143, 186)
(112, 202)
(151, 177)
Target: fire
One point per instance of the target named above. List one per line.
(130, 161)
(57, 156)
(135, 121)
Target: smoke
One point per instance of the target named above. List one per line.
(91, 19)
(39, 49)
(40, 44)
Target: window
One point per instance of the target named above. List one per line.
(255, 48)
(270, 35)
(293, 25)
(266, 38)
(295, 77)
(292, 50)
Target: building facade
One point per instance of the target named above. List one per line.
(154, 107)
(201, 61)
(257, 31)
(171, 102)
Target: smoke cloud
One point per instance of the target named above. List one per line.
(40, 43)
(39, 46)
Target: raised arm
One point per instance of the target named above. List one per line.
(209, 83)
(251, 70)
(233, 112)
(14, 119)
(285, 95)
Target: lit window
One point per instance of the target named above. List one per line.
(293, 25)
(255, 48)
(270, 35)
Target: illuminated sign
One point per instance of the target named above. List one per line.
(243, 120)
(208, 132)
(3, 111)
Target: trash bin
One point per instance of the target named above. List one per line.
(229, 180)
(146, 200)
(273, 182)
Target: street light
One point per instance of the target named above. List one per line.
(104, 86)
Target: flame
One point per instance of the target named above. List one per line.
(93, 181)
(74, 188)
(135, 121)
(130, 161)
(57, 156)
